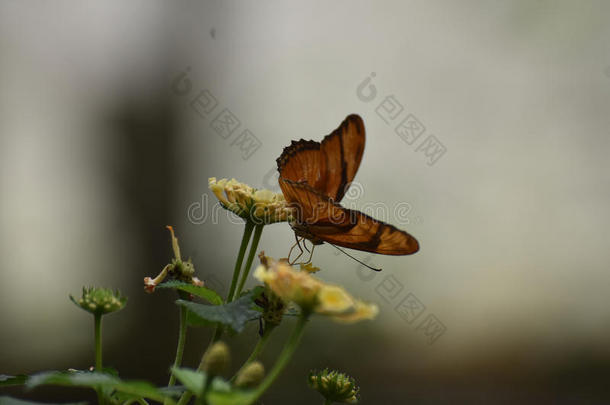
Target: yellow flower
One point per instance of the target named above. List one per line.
(259, 206)
(311, 294)
(288, 284)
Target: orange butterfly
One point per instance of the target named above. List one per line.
(314, 177)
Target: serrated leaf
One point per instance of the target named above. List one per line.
(97, 380)
(192, 380)
(202, 292)
(14, 401)
(234, 314)
(10, 380)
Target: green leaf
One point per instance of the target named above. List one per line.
(202, 292)
(96, 380)
(194, 381)
(9, 380)
(234, 314)
(71, 378)
(233, 397)
(142, 389)
(14, 401)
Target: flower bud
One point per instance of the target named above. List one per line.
(178, 269)
(100, 301)
(216, 360)
(251, 375)
(335, 386)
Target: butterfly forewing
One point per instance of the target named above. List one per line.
(329, 166)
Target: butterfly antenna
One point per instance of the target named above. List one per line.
(359, 261)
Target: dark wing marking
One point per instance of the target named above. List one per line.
(326, 220)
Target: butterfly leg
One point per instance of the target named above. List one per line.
(313, 246)
(290, 251)
(300, 254)
(292, 248)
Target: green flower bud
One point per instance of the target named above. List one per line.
(250, 376)
(335, 386)
(216, 360)
(100, 300)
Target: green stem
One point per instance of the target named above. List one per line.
(184, 399)
(328, 402)
(285, 356)
(260, 345)
(257, 237)
(98, 342)
(236, 270)
(180, 348)
(97, 319)
(216, 337)
(240, 258)
(202, 399)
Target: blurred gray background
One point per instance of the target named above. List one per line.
(101, 147)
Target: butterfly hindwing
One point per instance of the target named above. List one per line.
(329, 166)
(326, 220)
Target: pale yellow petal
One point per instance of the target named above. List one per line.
(334, 300)
(362, 311)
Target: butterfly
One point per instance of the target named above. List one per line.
(314, 177)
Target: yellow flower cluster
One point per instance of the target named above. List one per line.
(259, 206)
(311, 294)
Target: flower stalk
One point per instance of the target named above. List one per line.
(246, 271)
(97, 319)
(258, 349)
(181, 341)
(285, 356)
(240, 258)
